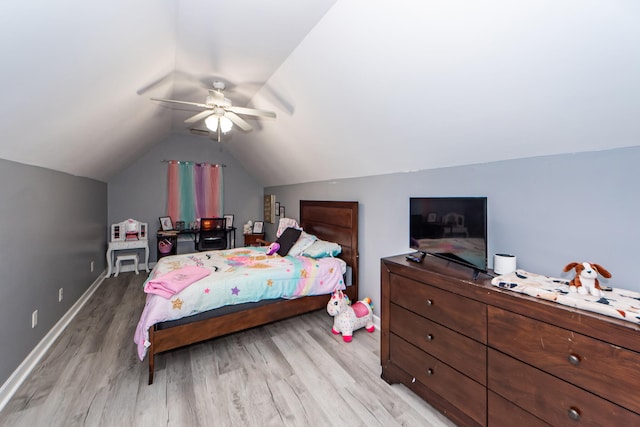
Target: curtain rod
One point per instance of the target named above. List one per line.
(196, 163)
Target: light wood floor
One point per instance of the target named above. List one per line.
(289, 373)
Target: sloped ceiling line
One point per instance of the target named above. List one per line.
(360, 88)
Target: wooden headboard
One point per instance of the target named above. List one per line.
(335, 222)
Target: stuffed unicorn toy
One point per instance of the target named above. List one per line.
(348, 318)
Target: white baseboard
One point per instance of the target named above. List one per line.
(10, 386)
(131, 267)
(376, 322)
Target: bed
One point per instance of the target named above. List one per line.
(332, 221)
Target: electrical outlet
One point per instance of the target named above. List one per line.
(60, 295)
(92, 266)
(34, 318)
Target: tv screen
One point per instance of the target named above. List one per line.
(454, 228)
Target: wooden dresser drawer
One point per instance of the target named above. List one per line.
(546, 364)
(461, 314)
(503, 413)
(462, 353)
(607, 370)
(551, 399)
(459, 390)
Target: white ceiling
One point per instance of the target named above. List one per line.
(360, 87)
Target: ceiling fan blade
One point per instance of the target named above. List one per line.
(201, 115)
(217, 96)
(238, 121)
(251, 112)
(195, 104)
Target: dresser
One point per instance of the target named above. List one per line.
(254, 239)
(485, 356)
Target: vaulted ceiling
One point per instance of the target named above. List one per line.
(360, 87)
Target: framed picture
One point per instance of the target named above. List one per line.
(165, 223)
(270, 208)
(277, 208)
(281, 211)
(432, 217)
(258, 227)
(228, 221)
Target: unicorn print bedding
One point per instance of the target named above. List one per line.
(236, 276)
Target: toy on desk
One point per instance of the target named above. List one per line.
(586, 281)
(348, 318)
(165, 246)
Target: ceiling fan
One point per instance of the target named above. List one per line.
(219, 114)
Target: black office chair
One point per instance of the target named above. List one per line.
(212, 234)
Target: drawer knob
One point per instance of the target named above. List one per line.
(429, 337)
(429, 302)
(413, 380)
(429, 372)
(574, 359)
(574, 414)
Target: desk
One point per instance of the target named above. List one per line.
(173, 235)
(126, 245)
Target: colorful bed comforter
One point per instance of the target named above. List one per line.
(237, 276)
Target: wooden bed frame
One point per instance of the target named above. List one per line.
(330, 221)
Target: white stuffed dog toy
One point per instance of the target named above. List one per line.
(586, 279)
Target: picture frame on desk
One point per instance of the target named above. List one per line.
(165, 223)
(228, 221)
(258, 227)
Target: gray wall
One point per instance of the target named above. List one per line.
(548, 211)
(140, 191)
(52, 228)
(54, 224)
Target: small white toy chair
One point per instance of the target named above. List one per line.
(126, 257)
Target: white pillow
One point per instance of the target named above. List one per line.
(322, 248)
(304, 241)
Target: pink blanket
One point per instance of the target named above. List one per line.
(173, 282)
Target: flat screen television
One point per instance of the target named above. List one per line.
(453, 228)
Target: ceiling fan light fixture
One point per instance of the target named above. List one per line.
(219, 114)
(225, 124)
(212, 122)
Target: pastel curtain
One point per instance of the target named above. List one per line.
(195, 190)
